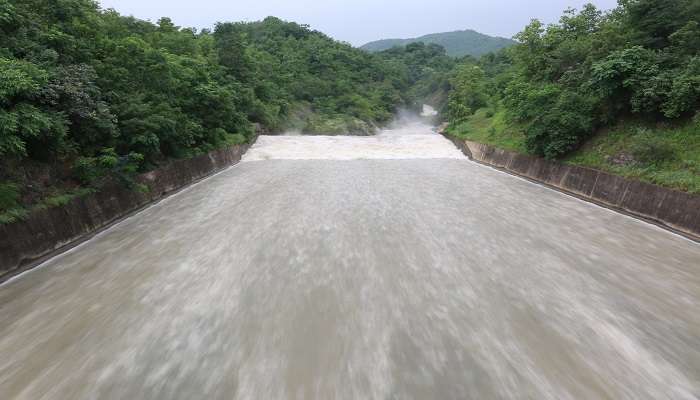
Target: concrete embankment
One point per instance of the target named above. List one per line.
(44, 233)
(678, 211)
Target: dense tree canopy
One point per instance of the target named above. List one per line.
(98, 93)
(425, 70)
(565, 80)
(90, 94)
(77, 82)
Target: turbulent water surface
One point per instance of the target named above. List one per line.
(387, 267)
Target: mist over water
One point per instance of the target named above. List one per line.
(409, 136)
(408, 122)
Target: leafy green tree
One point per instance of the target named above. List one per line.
(27, 127)
(468, 91)
(563, 81)
(103, 95)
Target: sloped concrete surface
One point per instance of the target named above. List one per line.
(396, 278)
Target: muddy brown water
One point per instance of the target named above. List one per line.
(387, 267)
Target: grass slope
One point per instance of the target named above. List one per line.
(665, 155)
(490, 128)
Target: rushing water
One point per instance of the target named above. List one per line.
(387, 267)
(412, 139)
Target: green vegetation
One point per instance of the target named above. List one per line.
(457, 43)
(664, 155)
(425, 69)
(55, 198)
(566, 90)
(488, 127)
(88, 95)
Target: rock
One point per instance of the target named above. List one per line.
(621, 159)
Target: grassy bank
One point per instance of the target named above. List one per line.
(665, 155)
(489, 127)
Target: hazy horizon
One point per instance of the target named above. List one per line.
(363, 21)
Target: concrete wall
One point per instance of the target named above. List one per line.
(676, 210)
(23, 244)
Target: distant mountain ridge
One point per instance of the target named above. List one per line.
(457, 43)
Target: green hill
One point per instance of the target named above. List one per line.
(457, 44)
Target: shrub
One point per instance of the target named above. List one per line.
(9, 196)
(234, 139)
(57, 201)
(13, 215)
(64, 198)
(91, 170)
(650, 149)
(560, 128)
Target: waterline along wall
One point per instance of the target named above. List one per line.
(678, 211)
(46, 232)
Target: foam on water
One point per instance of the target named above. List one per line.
(409, 140)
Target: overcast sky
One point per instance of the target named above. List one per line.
(361, 21)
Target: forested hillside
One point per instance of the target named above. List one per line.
(457, 43)
(426, 68)
(618, 91)
(88, 94)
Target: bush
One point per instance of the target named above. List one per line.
(590, 70)
(64, 198)
(235, 139)
(91, 170)
(650, 149)
(13, 215)
(468, 92)
(9, 196)
(561, 127)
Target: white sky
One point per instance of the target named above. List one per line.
(361, 21)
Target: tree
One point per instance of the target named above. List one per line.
(468, 91)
